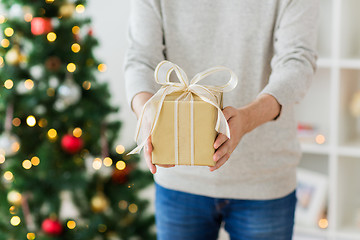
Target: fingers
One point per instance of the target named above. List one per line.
(148, 158)
(220, 162)
(221, 151)
(228, 112)
(220, 139)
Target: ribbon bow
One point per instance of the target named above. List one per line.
(206, 93)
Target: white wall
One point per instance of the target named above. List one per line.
(109, 21)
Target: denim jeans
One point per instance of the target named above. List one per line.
(185, 216)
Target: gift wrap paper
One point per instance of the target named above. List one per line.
(163, 136)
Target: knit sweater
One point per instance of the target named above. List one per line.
(269, 44)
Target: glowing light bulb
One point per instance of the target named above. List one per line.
(80, 8)
(121, 165)
(5, 43)
(323, 223)
(133, 208)
(35, 161)
(9, 31)
(86, 85)
(42, 122)
(102, 67)
(51, 36)
(52, 134)
(2, 158)
(2, 19)
(26, 164)
(71, 67)
(120, 149)
(16, 122)
(29, 84)
(75, 47)
(71, 224)
(97, 163)
(30, 236)
(8, 84)
(31, 120)
(108, 162)
(320, 139)
(28, 17)
(8, 176)
(15, 221)
(77, 132)
(75, 30)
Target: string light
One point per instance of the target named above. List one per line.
(75, 30)
(86, 85)
(15, 146)
(51, 36)
(8, 176)
(102, 67)
(16, 122)
(323, 223)
(52, 134)
(77, 132)
(133, 208)
(28, 17)
(97, 163)
(120, 149)
(71, 224)
(5, 43)
(71, 67)
(2, 19)
(320, 139)
(12, 210)
(31, 121)
(80, 8)
(14, 197)
(29, 84)
(42, 122)
(35, 161)
(75, 47)
(15, 221)
(108, 162)
(26, 164)
(9, 31)
(121, 165)
(8, 84)
(30, 236)
(49, 1)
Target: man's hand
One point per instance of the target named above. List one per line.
(241, 121)
(225, 146)
(137, 104)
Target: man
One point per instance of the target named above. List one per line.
(270, 46)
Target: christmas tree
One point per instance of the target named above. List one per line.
(62, 177)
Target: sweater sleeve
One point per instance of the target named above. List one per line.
(146, 47)
(294, 61)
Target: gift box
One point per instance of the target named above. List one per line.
(183, 118)
(182, 139)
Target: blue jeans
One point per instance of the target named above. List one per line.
(185, 216)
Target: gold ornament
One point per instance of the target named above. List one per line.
(67, 10)
(13, 56)
(99, 203)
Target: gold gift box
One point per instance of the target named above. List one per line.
(204, 121)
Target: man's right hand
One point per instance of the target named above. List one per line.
(137, 104)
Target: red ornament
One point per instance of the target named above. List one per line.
(120, 176)
(41, 25)
(90, 32)
(71, 144)
(51, 227)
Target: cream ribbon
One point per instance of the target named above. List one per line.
(189, 88)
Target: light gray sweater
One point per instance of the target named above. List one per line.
(269, 44)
